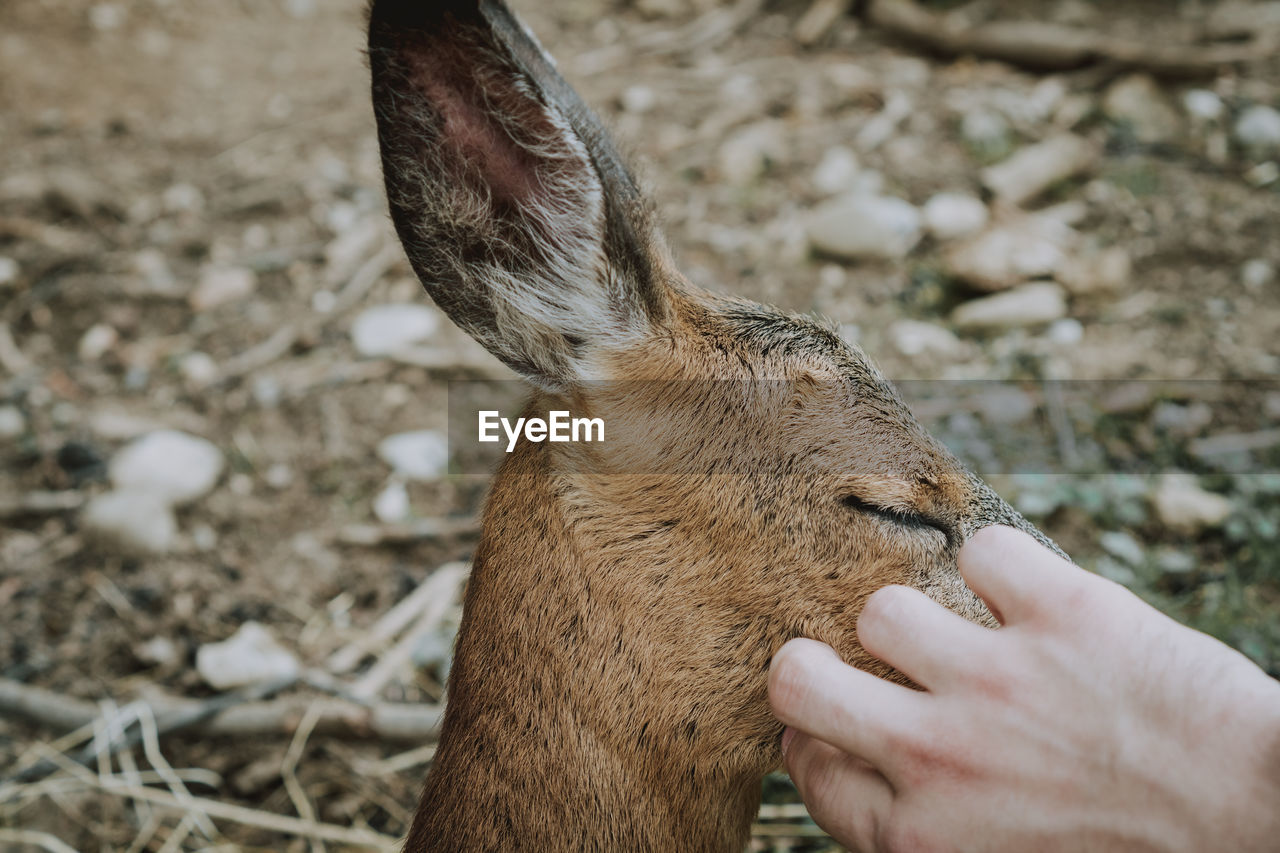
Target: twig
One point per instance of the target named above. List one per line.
(818, 20)
(39, 839)
(39, 503)
(1046, 46)
(407, 533)
(11, 358)
(289, 767)
(261, 354)
(445, 583)
(1234, 442)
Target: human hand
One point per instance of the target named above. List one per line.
(1088, 721)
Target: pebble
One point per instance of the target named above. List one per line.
(220, 285)
(638, 99)
(1011, 252)
(1182, 421)
(183, 198)
(1065, 332)
(1004, 406)
(345, 252)
(985, 129)
(173, 467)
(97, 341)
(915, 337)
(1027, 305)
(392, 503)
(279, 476)
(952, 215)
(158, 651)
(1257, 273)
(1180, 503)
(1203, 105)
(837, 171)
(857, 226)
(1032, 170)
(12, 423)
(749, 150)
(385, 329)
(1138, 101)
(137, 521)
(420, 455)
(249, 656)
(198, 369)
(1258, 128)
(1102, 271)
(1123, 546)
(8, 271)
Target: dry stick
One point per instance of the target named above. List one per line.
(39, 503)
(819, 19)
(289, 767)
(39, 839)
(444, 583)
(1045, 46)
(406, 533)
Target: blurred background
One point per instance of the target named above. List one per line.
(224, 483)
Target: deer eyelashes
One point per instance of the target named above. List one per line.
(905, 519)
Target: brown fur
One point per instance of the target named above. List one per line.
(761, 478)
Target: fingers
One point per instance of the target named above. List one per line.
(812, 690)
(844, 795)
(1015, 575)
(919, 637)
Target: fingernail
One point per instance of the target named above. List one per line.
(787, 735)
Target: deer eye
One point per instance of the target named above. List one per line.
(902, 518)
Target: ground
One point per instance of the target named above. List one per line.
(148, 142)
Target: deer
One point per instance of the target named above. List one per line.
(760, 479)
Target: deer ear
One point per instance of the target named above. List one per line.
(511, 202)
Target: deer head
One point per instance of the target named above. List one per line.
(608, 689)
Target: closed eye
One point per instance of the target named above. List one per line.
(903, 518)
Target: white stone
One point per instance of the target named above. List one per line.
(198, 368)
(639, 99)
(1259, 127)
(1203, 105)
(836, 171)
(106, 16)
(747, 152)
(1031, 304)
(984, 128)
(420, 455)
(1003, 405)
(134, 520)
(220, 285)
(249, 656)
(857, 226)
(279, 476)
(952, 215)
(1031, 170)
(1139, 102)
(915, 337)
(97, 341)
(8, 271)
(12, 423)
(1180, 503)
(1257, 273)
(1012, 251)
(392, 503)
(1065, 332)
(384, 329)
(183, 198)
(1123, 546)
(1101, 271)
(172, 466)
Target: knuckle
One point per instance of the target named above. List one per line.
(789, 680)
(883, 608)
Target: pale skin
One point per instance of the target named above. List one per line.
(1087, 722)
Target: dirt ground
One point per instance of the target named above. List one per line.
(147, 142)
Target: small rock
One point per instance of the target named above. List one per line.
(914, 337)
(748, 151)
(1065, 332)
(421, 455)
(1257, 273)
(12, 423)
(1182, 421)
(219, 286)
(385, 329)
(1203, 105)
(1258, 128)
(106, 16)
(344, 253)
(1123, 546)
(1103, 271)
(1114, 570)
(1032, 170)
(836, 171)
(279, 476)
(198, 369)
(1028, 305)
(135, 520)
(158, 651)
(952, 215)
(1139, 102)
(8, 271)
(96, 342)
(986, 130)
(392, 503)
(857, 226)
(1004, 405)
(1174, 561)
(639, 99)
(300, 9)
(249, 656)
(172, 466)
(1012, 251)
(183, 198)
(1180, 503)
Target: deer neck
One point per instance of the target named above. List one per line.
(564, 729)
